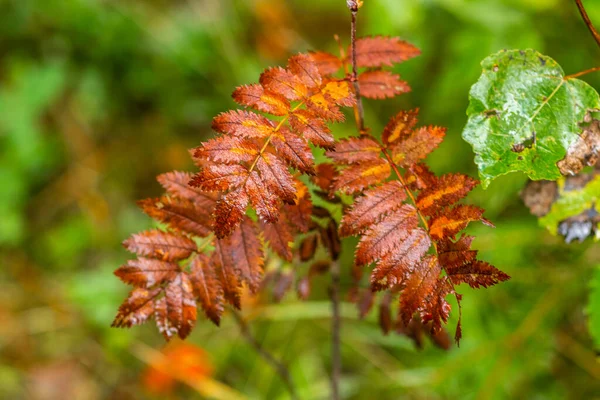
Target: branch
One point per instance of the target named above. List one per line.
(359, 111)
(587, 21)
(336, 323)
(277, 365)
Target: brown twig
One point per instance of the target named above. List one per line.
(277, 365)
(587, 21)
(578, 74)
(336, 324)
(360, 113)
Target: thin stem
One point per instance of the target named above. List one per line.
(359, 111)
(587, 21)
(578, 74)
(336, 324)
(277, 365)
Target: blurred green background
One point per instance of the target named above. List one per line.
(97, 97)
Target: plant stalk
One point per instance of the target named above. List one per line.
(587, 21)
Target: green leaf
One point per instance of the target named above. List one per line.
(593, 308)
(572, 203)
(524, 115)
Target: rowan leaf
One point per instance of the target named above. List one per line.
(147, 272)
(327, 63)
(276, 177)
(294, 151)
(372, 207)
(395, 267)
(178, 313)
(284, 82)
(244, 124)
(419, 286)
(159, 244)
(279, 238)
(207, 288)
(230, 211)
(227, 150)
(176, 185)
(386, 236)
(305, 69)
(476, 274)
(358, 177)
(312, 128)
(245, 250)
(263, 201)
(524, 114)
(447, 190)
(257, 97)
(380, 84)
(449, 223)
(378, 51)
(219, 177)
(411, 149)
(355, 151)
(400, 125)
(224, 266)
(180, 214)
(137, 308)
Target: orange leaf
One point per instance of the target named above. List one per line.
(245, 249)
(159, 244)
(227, 150)
(387, 235)
(400, 125)
(421, 284)
(477, 274)
(179, 214)
(305, 69)
(147, 272)
(312, 128)
(409, 150)
(327, 63)
(358, 177)
(244, 124)
(395, 267)
(219, 177)
(257, 97)
(137, 308)
(381, 84)
(294, 151)
(279, 80)
(372, 207)
(355, 151)
(207, 287)
(279, 237)
(176, 185)
(176, 312)
(448, 189)
(379, 50)
(224, 266)
(451, 222)
(230, 211)
(276, 178)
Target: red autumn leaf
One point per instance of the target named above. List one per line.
(381, 84)
(378, 51)
(159, 244)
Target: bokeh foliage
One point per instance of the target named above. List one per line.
(98, 97)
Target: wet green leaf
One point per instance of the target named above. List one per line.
(524, 115)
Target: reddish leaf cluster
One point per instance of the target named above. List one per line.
(172, 274)
(408, 224)
(372, 53)
(249, 163)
